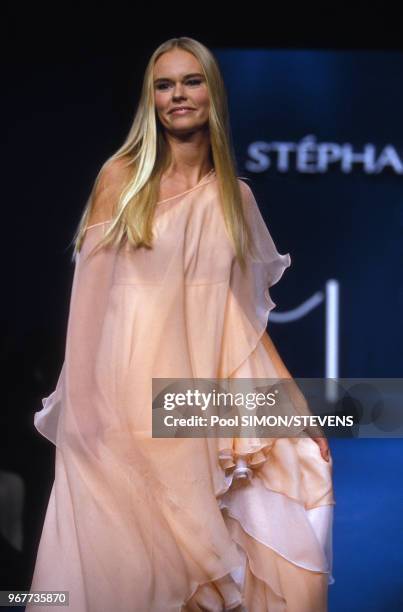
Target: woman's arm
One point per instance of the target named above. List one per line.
(284, 373)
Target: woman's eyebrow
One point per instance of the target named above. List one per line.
(192, 74)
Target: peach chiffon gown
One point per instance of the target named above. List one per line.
(144, 524)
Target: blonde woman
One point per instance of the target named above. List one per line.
(173, 265)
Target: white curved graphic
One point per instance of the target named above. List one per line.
(330, 298)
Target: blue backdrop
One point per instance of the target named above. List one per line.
(320, 136)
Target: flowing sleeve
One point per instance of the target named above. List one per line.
(249, 301)
(245, 354)
(267, 264)
(266, 267)
(69, 410)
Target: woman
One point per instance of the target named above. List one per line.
(173, 267)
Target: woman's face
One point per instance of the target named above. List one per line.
(179, 81)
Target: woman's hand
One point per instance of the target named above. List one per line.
(323, 447)
(296, 396)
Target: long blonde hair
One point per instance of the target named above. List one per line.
(131, 176)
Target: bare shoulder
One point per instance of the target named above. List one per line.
(111, 180)
(113, 172)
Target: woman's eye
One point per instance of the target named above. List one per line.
(189, 82)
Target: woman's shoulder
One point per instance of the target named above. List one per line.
(243, 184)
(110, 182)
(246, 190)
(114, 170)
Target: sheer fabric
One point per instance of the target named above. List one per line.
(162, 525)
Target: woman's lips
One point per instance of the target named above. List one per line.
(181, 111)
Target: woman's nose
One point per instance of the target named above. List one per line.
(178, 91)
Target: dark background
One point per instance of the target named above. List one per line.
(71, 79)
